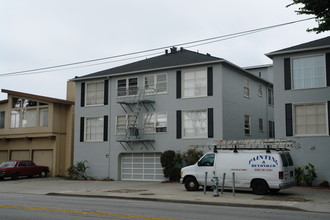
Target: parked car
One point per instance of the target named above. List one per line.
(17, 168)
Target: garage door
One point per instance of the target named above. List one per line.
(20, 155)
(43, 158)
(141, 166)
(3, 156)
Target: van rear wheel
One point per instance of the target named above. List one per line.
(260, 187)
(191, 184)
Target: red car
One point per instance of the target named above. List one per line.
(17, 168)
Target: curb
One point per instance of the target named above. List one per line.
(279, 207)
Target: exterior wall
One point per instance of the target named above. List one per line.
(236, 105)
(104, 157)
(314, 149)
(264, 72)
(56, 137)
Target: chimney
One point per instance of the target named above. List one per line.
(166, 51)
(173, 50)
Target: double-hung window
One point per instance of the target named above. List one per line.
(156, 83)
(124, 122)
(2, 119)
(194, 83)
(94, 129)
(126, 87)
(195, 123)
(247, 125)
(95, 93)
(246, 88)
(308, 72)
(155, 122)
(270, 96)
(310, 119)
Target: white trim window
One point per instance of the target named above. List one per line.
(26, 113)
(194, 83)
(127, 87)
(94, 128)
(2, 119)
(247, 125)
(270, 96)
(155, 122)
(124, 122)
(156, 83)
(246, 88)
(260, 90)
(195, 123)
(95, 93)
(308, 72)
(261, 125)
(310, 119)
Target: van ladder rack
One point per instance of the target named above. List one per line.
(254, 144)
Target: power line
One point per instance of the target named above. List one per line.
(195, 43)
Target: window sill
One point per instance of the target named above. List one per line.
(310, 135)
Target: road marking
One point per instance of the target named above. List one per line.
(83, 212)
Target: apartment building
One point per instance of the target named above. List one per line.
(37, 128)
(126, 116)
(302, 101)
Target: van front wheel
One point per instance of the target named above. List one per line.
(260, 187)
(191, 184)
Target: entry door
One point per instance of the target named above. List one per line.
(3, 156)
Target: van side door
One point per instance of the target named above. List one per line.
(206, 164)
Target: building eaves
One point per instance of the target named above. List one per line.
(37, 97)
(319, 44)
(169, 60)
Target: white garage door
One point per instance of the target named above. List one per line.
(43, 158)
(141, 166)
(3, 156)
(20, 155)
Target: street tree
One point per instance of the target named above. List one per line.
(319, 8)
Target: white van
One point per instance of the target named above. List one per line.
(263, 170)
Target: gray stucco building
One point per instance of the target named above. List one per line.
(125, 117)
(302, 102)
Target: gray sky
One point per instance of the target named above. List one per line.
(42, 33)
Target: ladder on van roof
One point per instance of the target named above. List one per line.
(255, 144)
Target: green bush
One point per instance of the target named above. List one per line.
(191, 156)
(78, 171)
(305, 174)
(171, 163)
(309, 174)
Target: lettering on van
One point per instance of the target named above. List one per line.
(263, 161)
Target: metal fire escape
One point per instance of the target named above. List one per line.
(133, 104)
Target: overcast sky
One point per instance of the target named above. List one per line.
(43, 33)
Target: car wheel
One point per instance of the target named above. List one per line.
(43, 173)
(274, 191)
(14, 176)
(260, 187)
(191, 184)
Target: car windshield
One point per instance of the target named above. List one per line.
(8, 164)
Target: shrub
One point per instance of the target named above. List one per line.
(309, 174)
(191, 156)
(324, 183)
(78, 171)
(298, 175)
(171, 163)
(305, 174)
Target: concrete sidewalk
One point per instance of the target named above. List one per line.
(297, 198)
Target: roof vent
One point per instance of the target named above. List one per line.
(166, 51)
(173, 50)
